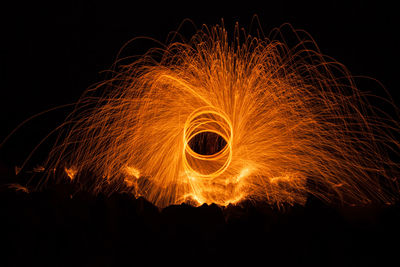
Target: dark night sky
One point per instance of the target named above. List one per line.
(51, 52)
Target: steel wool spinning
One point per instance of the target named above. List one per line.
(221, 118)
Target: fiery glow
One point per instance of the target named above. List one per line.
(273, 123)
(132, 172)
(71, 172)
(18, 187)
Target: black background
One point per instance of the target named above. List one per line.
(51, 52)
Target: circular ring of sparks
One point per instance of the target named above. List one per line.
(205, 120)
(292, 120)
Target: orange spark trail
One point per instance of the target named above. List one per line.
(276, 124)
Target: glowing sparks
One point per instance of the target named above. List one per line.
(236, 179)
(216, 121)
(17, 170)
(71, 172)
(39, 169)
(18, 187)
(132, 175)
(284, 178)
(131, 171)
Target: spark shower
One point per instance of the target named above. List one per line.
(225, 117)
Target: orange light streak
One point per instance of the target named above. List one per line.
(292, 120)
(71, 172)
